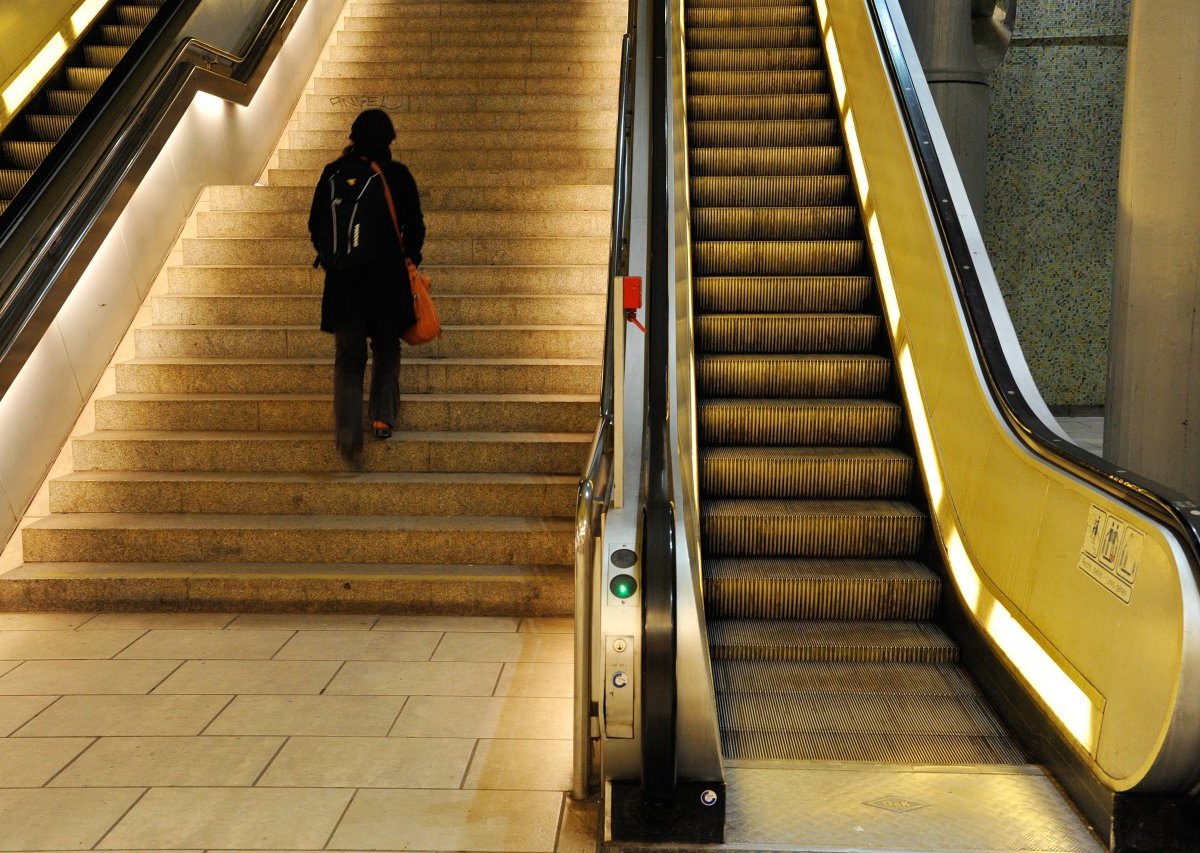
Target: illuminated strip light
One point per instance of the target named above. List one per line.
(33, 73)
(1059, 692)
(82, 17)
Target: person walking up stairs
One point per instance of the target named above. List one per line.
(211, 480)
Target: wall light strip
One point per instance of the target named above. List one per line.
(82, 17)
(32, 74)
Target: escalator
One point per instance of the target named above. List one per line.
(30, 136)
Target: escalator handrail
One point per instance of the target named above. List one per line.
(1174, 510)
(49, 231)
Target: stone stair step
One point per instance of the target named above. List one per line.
(314, 412)
(322, 112)
(430, 452)
(441, 139)
(466, 86)
(509, 70)
(315, 376)
(475, 590)
(400, 102)
(270, 493)
(448, 225)
(564, 40)
(412, 27)
(608, 51)
(244, 279)
(429, 161)
(467, 177)
(193, 538)
(452, 9)
(165, 341)
(566, 197)
(478, 250)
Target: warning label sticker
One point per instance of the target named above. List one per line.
(1111, 551)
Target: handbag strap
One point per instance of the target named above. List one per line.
(387, 193)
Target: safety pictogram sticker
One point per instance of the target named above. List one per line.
(1111, 551)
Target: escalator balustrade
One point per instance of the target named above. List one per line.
(819, 609)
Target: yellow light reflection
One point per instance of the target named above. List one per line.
(835, 70)
(34, 72)
(963, 570)
(85, 14)
(883, 271)
(856, 159)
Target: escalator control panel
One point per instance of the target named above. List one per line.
(618, 686)
(622, 576)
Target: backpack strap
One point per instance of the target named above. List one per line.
(387, 193)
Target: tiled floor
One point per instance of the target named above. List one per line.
(265, 732)
(1087, 432)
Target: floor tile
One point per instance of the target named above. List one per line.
(485, 717)
(303, 621)
(6, 665)
(547, 625)
(450, 820)
(537, 679)
(521, 765)
(49, 819)
(484, 624)
(63, 645)
(308, 715)
(16, 711)
(579, 828)
(370, 762)
(158, 621)
(208, 645)
(132, 716)
(164, 761)
(533, 648)
(32, 762)
(365, 678)
(70, 677)
(42, 621)
(360, 645)
(248, 676)
(230, 818)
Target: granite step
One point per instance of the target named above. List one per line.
(469, 177)
(522, 251)
(467, 86)
(322, 112)
(608, 51)
(438, 138)
(445, 225)
(402, 101)
(433, 161)
(564, 40)
(527, 68)
(412, 27)
(565, 197)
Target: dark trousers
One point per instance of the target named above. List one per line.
(349, 368)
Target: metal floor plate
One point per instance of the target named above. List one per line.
(853, 808)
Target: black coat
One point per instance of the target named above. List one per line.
(381, 293)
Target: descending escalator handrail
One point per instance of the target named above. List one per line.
(659, 692)
(1176, 511)
(62, 215)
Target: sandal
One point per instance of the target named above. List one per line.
(382, 429)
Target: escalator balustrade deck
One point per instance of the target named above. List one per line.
(820, 613)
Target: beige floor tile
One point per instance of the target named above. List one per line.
(248, 676)
(360, 645)
(303, 622)
(131, 716)
(370, 762)
(308, 715)
(42, 621)
(63, 645)
(230, 818)
(547, 625)
(485, 717)
(529, 647)
(16, 711)
(466, 624)
(170, 761)
(6, 665)
(366, 678)
(73, 677)
(521, 765)
(32, 762)
(579, 828)
(537, 679)
(450, 820)
(49, 819)
(158, 621)
(209, 645)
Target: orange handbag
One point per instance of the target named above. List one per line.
(427, 326)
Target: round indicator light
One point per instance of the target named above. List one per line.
(622, 586)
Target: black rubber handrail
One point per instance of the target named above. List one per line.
(659, 691)
(1176, 511)
(60, 217)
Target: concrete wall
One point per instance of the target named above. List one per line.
(24, 27)
(1053, 149)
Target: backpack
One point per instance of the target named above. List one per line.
(355, 232)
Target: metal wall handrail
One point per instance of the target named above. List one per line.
(65, 211)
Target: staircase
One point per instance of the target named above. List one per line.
(212, 481)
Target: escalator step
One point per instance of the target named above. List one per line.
(135, 15)
(826, 423)
(859, 642)
(48, 128)
(701, 83)
(813, 160)
(3, 205)
(838, 677)
(119, 34)
(775, 223)
(782, 293)
(897, 749)
(761, 133)
(87, 79)
(804, 472)
(775, 59)
(736, 335)
(103, 55)
(818, 589)
(759, 107)
(780, 257)
(67, 103)
(25, 155)
(793, 376)
(810, 528)
(750, 16)
(11, 181)
(734, 37)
